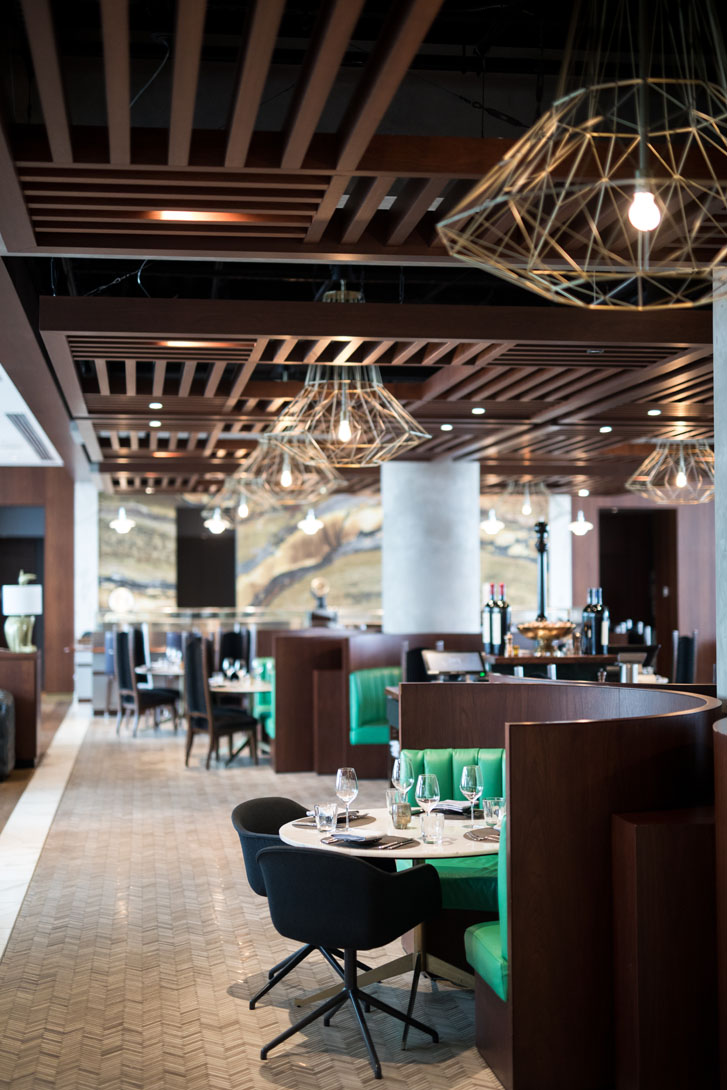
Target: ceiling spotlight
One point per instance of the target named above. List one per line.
(155, 423)
(605, 429)
(216, 523)
(584, 492)
(653, 412)
(492, 524)
(122, 524)
(155, 405)
(479, 410)
(446, 427)
(581, 525)
(310, 524)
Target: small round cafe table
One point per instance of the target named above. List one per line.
(454, 846)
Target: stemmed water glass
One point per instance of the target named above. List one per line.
(402, 775)
(346, 788)
(426, 791)
(471, 785)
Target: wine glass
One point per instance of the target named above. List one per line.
(228, 668)
(426, 791)
(402, 775)
(471, 785)
(346, 788)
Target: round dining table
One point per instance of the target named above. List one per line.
(378, 822)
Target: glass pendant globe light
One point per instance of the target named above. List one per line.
(310, 524)
(217, 523)
(122, 524)
(492, 524)
(580, 526)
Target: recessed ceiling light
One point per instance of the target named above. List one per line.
(605, 429)
(191, 215)
(584, 492)
(155, 423)
(198, 344)
(654, 412)
(478, 410)
(594, 351)
(446, 427)
(155, 405)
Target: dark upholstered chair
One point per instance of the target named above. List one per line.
(257, 823)
(205, 717)
(233, 645)
(141, 653)
(327, 900)
(684, 657)
(133, 698)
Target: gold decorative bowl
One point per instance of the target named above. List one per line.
(546, 633)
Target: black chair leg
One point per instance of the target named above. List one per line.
(329, 1016)
(412, 998)
(319, 1012)
(405, 1018)
(288, 967)
(373, 1058)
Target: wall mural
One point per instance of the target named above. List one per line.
(276, 561)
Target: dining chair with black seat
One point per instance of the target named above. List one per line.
(257, 822)
(684, 657)
(142, 656)
(326, 899)
(204, 717)
(133, 698)
(234, 645)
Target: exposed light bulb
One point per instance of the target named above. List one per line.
(344, 430)
(681, 479)
(216, 524)
(310, 524)
(243, 510)
(584, 492)
(492, 524)
(580, 526)
(286, 477)
(526, 507)
(121, 524)
(644, 212)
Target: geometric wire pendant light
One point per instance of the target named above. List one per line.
(288, 474)
(676, 471)
(351, 417)
(617, 196)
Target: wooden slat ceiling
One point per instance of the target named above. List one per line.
(119, 142)
(225, 383)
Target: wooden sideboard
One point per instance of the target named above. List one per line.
(20, 675)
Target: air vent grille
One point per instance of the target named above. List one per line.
(28, 432)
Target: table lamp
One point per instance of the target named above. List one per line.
(21, 604)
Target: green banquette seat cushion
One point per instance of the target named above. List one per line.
(367, 702)
(466, 883)
(486, 943)
(263, 704)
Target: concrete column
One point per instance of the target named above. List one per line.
(719, 329)
(431, 546)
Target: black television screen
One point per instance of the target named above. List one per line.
(453, 662)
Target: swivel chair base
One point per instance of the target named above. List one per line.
(357, 997)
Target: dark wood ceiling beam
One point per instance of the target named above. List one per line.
(362, 204)
(16, 228)
(115, 36)
(336, 23)
(191, 463)
(222, 318)
(262, 33)
(326, 208)
(130, 372)
(46, 66)
(402, 35)
(187, 51)
(409, 207)
(245, 375)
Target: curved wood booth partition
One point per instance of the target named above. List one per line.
(577, 754)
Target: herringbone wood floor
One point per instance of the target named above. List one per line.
(139, 943)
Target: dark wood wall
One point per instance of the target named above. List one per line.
(695, 569)
(53, 490)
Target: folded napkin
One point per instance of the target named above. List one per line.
(453, 808)
(353, 840)
(492, 835)
(356, 818)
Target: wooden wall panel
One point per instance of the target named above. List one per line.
(53, 490)
(695, 578)
(720, 823)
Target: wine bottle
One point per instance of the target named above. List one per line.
(605, 622)
(496, 635)
(487, 609)
(587, 625)
(505, 619)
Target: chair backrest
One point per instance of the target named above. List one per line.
(684, 657)
(140, 652)
(257, 822)
(109, 667)
(447, 765)
(502, 887)
(414, 668)
(174, 641)
(329, 899)
(123, 656)
(233, 645)
(367, 694)
(196, 686)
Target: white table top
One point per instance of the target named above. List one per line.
(161, 668)
(241, 685)
(453, 846)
